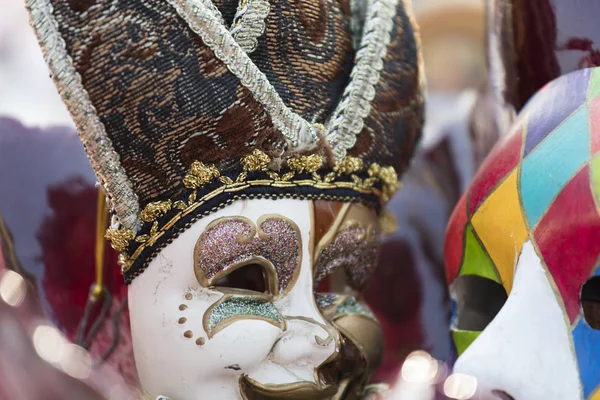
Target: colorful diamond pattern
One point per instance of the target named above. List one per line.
(463, 339)
(498, 164)
(595, 167)
(551, 107)
(476, 260)
(569, 239)
(595, 123)
(453, 244)
(548, 168)
(500, 224)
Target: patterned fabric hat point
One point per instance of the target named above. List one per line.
(184, 106)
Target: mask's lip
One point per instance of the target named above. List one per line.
(253, 390)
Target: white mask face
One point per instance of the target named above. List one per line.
(527, 349)
(206, 323)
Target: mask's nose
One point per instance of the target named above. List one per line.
(307, 341)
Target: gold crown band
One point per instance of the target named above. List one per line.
(201, 174)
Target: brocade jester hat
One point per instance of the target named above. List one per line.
(184, 106)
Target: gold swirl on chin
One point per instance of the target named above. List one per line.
(366, 334)
(253, 390)
(362, 348)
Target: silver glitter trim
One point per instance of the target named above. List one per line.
(105, 161)
(249, 23)
(300, 134)
(348, 118)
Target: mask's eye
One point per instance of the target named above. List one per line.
(247, 277)
(478, 300)
(590, 302)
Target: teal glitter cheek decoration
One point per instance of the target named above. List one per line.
(221, 314)
(326, 300)
(351, 306)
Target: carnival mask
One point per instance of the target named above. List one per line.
(243, 316)
(522, 252)
(219, 131)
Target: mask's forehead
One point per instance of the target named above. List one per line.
(540, 183)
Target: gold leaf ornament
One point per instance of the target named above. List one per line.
(226, 180)
(119, 238)
(348, 165)
(155, 209)
(374, 170)
(307, 164)
(180, 205)
(200, 174)
(287, 176)
(124, 262)
(256, 161)
(389, 177)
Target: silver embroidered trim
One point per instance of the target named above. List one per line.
(105, 161)
(211, 6)
(348, 118)
(300, 134)
(249, 23)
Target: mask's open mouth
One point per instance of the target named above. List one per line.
(253, 390)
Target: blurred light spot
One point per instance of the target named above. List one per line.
(419, 367)
(75, 361)
(12, 288)
(48, 343)
(460, 386)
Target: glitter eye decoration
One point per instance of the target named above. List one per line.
(355, 250)
(478, 301)
(232, 253)
(590, 302)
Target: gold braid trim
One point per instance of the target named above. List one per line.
(201, 174)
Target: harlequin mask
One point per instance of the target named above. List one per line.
(522, 252)
(245, 151)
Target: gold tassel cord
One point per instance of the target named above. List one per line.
(101, 225)
(99, 296)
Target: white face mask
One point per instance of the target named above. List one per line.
(194, 339)
(526, 351)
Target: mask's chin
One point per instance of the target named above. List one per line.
(253, 390)
(344, 377)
